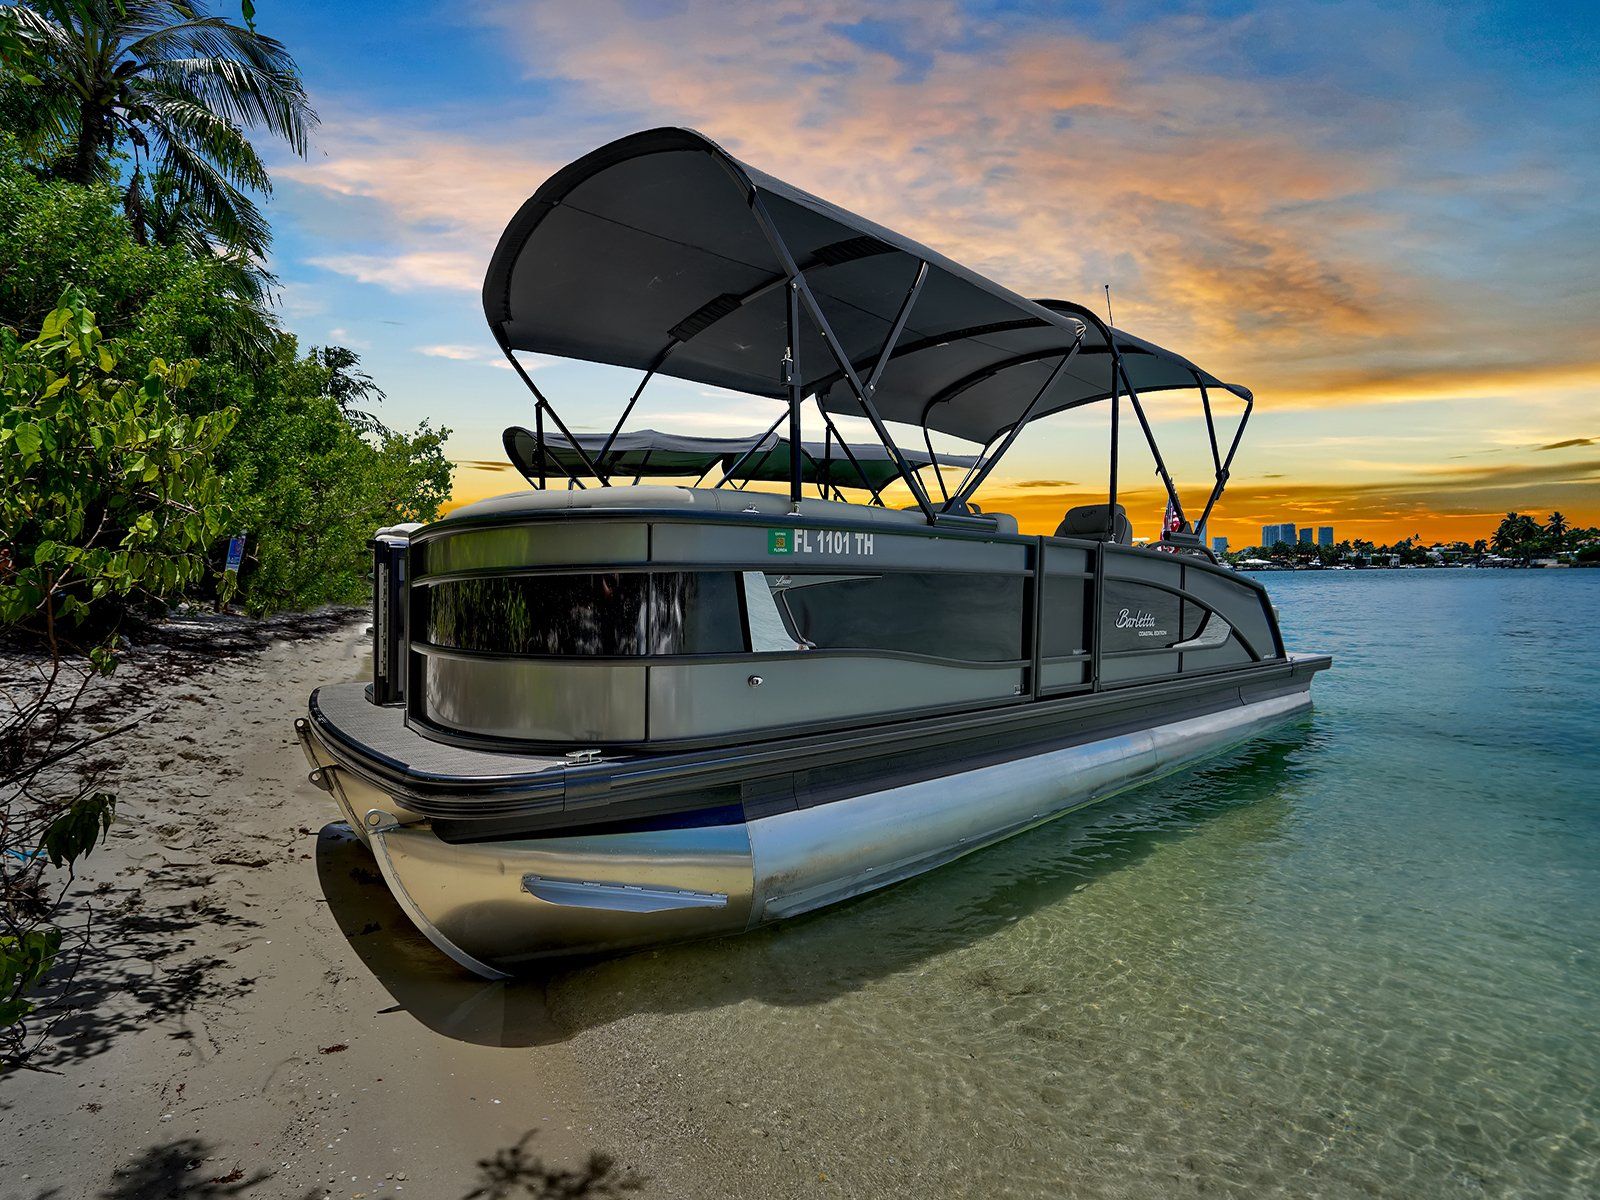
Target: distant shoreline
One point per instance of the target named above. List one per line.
(1277, 569)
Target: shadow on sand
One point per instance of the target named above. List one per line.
(182, 1170)
(1242, 798)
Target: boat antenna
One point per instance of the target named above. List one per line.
(1109, 319)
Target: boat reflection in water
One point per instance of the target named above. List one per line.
(605, 717)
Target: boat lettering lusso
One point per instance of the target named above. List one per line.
(607, 713)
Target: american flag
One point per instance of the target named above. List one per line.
(1173, 521)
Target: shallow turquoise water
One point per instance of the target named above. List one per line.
(1358, 959)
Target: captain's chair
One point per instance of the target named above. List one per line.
(1089, 522)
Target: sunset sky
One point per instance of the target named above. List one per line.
(1383, 219)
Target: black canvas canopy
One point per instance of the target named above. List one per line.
(663, 252)
(649, 452)
(647, 253)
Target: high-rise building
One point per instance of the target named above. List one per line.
(1325, 536)
(1219, 546)
(1269, 536)
(1286, 532)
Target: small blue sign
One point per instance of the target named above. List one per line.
(235, 552)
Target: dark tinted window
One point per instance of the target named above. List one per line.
(972, 617)
(605, 613)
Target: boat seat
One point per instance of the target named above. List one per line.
(1089, 522)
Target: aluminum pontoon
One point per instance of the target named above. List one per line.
(607, 716)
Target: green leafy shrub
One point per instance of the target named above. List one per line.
(109, 497)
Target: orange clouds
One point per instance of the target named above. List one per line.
(1290, 239)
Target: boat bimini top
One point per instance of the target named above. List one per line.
(663, 252)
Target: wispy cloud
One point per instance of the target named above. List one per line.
(1335, 226)
(408, 271)
(1239, 221)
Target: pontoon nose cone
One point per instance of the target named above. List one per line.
(496, 907)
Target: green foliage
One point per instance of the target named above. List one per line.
(162, 300)
(307, 470)
(25, 959)
(79, 828)
(172, 85)
(313, 486)
(107, 491)
(1520, 536)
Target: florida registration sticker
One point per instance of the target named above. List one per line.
(833, 543)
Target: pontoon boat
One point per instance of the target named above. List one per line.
(606, 716)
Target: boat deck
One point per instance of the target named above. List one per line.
(379, 733)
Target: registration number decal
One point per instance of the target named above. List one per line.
(838, 542)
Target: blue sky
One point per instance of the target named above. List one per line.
(1382, 218)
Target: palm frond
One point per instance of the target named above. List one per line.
(244, 93)
(172, 112)
(228, 212)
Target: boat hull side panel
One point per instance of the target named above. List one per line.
(812, 857)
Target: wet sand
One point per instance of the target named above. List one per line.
(235, 1039)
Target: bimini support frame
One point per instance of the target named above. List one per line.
(800, 294)
(541, 405)
(863, 379)
(1223, 463)
(990, 459)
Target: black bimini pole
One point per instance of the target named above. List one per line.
(1116, 421)
(866, 480)
(970, 489)
(792, 377)
(800, 289)
(1150, 437)
(745, 457)
(1226, 465)
(505, 348)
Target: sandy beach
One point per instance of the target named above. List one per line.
(237, 1037)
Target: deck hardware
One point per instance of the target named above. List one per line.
(322, 778)
(755, 681)
(583, 756)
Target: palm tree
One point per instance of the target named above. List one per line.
(1558, 529)
(178, 85)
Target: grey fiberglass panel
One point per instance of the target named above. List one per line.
(554, 543)
(1142, 564)
(1055, 675)
(1137, 666)
(664, 498)
(539, 700)
(691, 700)
(1239, 604)
(1229, 654)
(1059, 558)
